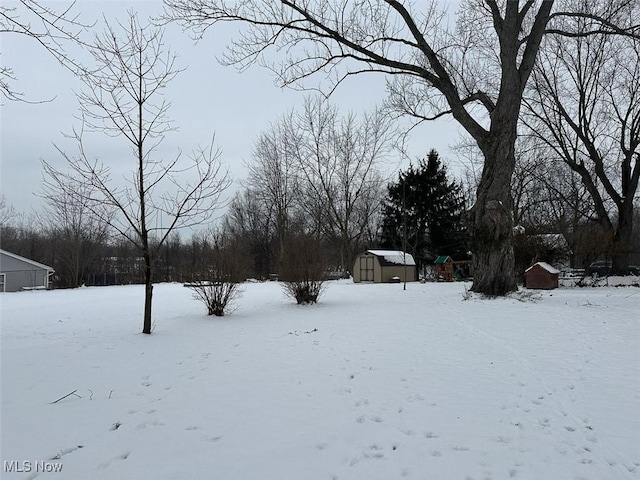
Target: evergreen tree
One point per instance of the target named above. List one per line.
(429, 208)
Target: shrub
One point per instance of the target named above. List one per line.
(217, 296)
(219, 282)
(302, 269)
(304, 291)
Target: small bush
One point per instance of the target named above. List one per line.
(220, 277)
(217, 296)
(302, 269)
(304, 291)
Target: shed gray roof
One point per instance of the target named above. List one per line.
(27, 260)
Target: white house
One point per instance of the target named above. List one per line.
(19, 273)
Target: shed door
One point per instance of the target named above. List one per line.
(366, 269)
(2, 281)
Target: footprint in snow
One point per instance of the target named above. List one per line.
(459, 448)
(415, 398)
(64, 452)
(105, 464)
(144, 425)
(501, 439)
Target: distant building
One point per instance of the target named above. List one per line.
(383, 266)
(444, 268)
(541, 275)
(19, 273)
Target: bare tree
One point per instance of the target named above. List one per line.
(249, 221)
(572, 209)
(23, 235)
(67, 215)
(7, 212)
(123, 98)
(316, 170)
(585, 107)
(338, 168)
(533, 175)
(53, 30)
(477, 74)
(548, 197)
(272, 175)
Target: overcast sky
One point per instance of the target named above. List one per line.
(207, 99)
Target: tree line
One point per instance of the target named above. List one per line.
(546, 92)
(271, 220)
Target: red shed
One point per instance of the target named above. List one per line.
(541, 275)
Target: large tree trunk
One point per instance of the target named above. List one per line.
(491, 219)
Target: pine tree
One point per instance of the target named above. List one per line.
(429, 207)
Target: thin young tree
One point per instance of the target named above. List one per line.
(124, 98)
(476, 73)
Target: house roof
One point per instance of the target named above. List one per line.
(393, 257)
(545, 266)
(26, 260)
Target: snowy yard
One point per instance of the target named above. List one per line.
(372, 383)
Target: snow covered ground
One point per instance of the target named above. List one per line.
(372, 383)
